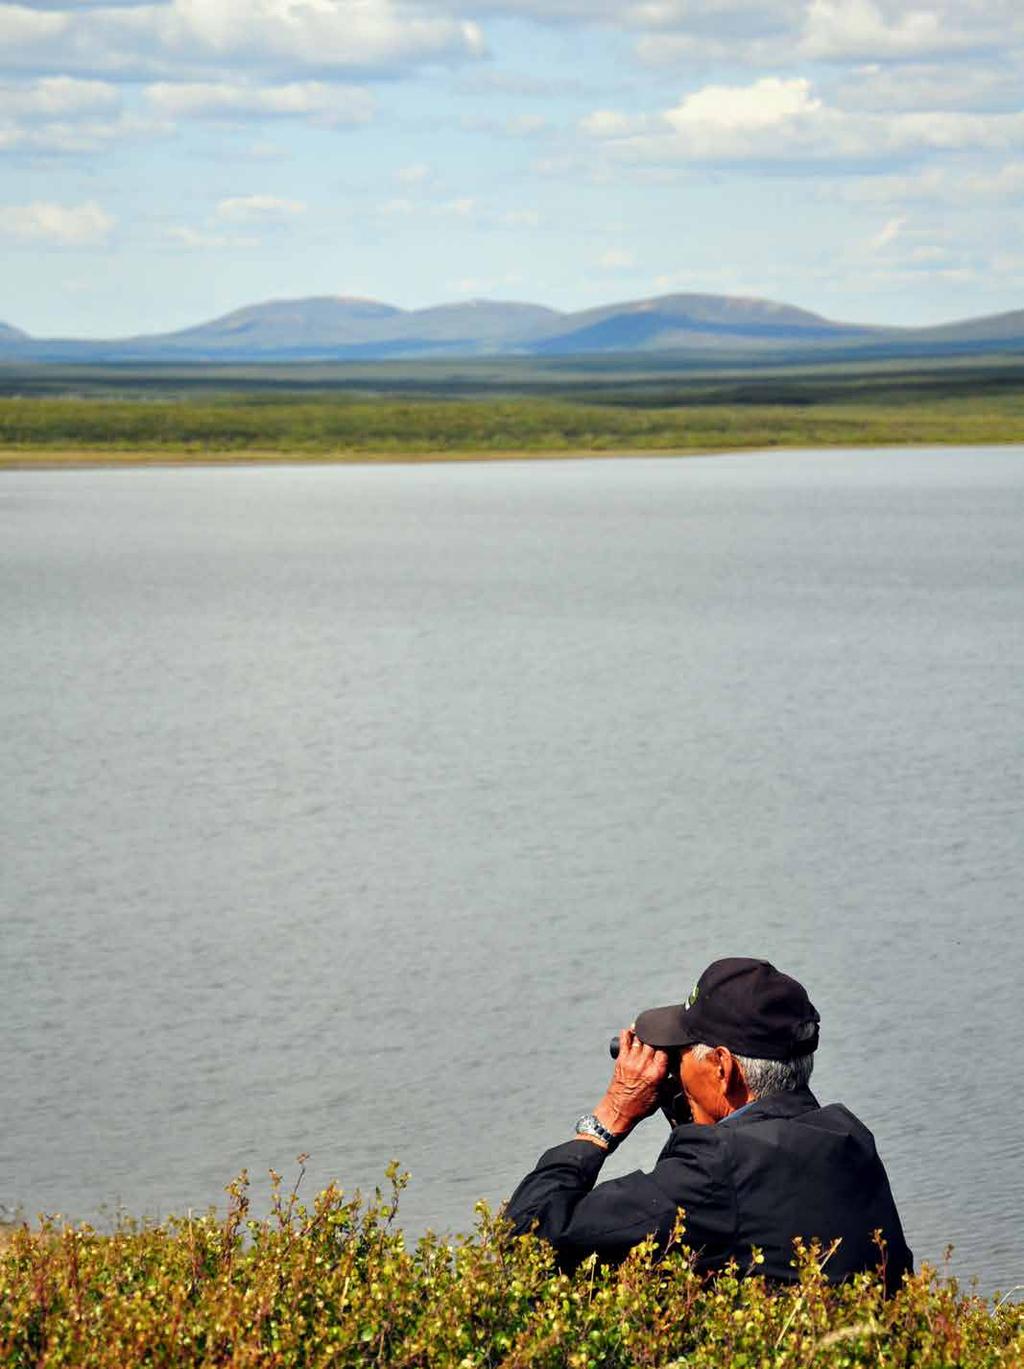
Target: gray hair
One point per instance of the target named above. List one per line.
(764, 1077)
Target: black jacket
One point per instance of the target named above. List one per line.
(780, 1168)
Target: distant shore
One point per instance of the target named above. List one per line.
(42, 460)
(55, 421)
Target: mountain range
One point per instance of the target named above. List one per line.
(342, 328)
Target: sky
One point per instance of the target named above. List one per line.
(166, 161)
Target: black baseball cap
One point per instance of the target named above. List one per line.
(747, 1005)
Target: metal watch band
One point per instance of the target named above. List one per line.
(588, 1125)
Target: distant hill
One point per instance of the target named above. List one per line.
(327, 326)
(993, 327)
(682, 325)
(675, 321)
(323, 321)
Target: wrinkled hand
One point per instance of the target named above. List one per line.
(636, 1087)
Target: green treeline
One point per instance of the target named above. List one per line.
(335, 1284)
(147, 417)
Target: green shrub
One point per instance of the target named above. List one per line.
(334, 1283)
(338, 427)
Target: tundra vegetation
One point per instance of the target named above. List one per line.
(125, 415)
(336, 1283)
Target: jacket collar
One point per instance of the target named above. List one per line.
(791, 1104)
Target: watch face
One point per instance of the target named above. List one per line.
(588, 1125)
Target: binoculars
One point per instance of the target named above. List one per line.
(674, 1103)
(673, 1054)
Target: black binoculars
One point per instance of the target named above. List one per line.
(674, 1053)
(675, 1105)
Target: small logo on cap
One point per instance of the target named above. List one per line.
(694, 994)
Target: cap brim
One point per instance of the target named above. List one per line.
(665, 1028)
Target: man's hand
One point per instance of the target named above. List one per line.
(635, 1090)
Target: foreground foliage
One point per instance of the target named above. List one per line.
(333, 426)
(335, 1284)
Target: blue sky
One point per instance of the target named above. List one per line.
(164, 162)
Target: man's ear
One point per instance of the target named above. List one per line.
(725, 1067)
(730, 1076)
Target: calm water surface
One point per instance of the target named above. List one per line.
(350, 810)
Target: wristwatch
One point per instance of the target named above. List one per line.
(588, 1125)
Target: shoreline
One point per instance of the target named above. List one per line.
(49, 459)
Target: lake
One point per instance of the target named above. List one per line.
(350, 810)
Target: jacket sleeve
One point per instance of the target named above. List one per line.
(559, 1200)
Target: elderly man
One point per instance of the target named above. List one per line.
(759, 1164)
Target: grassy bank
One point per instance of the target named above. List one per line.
(162, 420)
(336, 1284)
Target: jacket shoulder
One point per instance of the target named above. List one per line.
(696, 1171)
(706, 1142)
(838, 1118)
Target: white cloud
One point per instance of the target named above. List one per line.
(703, 16)
(673, 49)
(946, 131)
(480, 287)
(911, 248)
(717, 122)
(199, 240)
(929, 184)
(888, 233)
(258, 209)
(766, 35)
(62, 115)
(486, 81)
(59, 114)
(462, 209)
(63, 225)
(21, 26)
(776, 120)
(848, 29)
(978, 85)
(941, 185)
(380, 36)
(55, 96)
(611, 123)
(745, 33)
(549, 11)
(157, 39)
(713, 19)
(886, 277)
(727, 279)
(896, 189)
(514, 126)
(324, 103)
(928, 254)
(1004, 183)
(1008, 264)
(616, 259)
(68, 137)
(767, 104)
